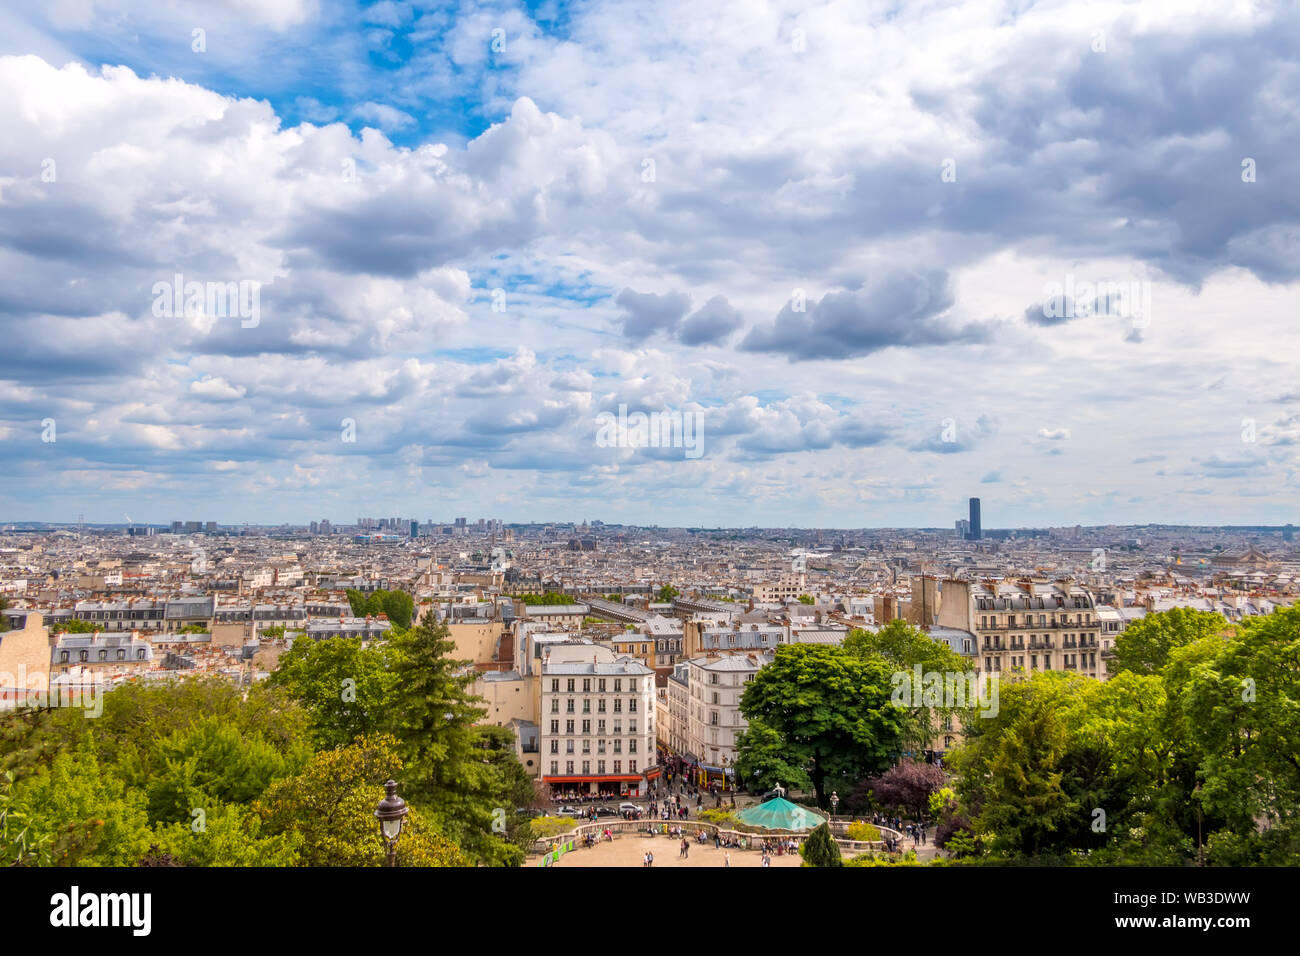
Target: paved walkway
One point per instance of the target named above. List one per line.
(628, 850)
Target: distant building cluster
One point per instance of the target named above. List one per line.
(611, 651)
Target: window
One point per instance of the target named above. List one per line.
(713, 678)
(600, 766)
(555, 685)
(631, 767)
(570, 685)
(618, 727)
(569, 707)
(568, 746)
(568, 726)
(586, 766)
(618, 766)
(600, 705)
(618, 706)
(586, 705)
(555, 726)
(600, 727)
(555, 767)
(64, 657)
(618, 685)
(600, 685)
(586, 685)
(555, 705)
(631, 726)
(586, 726)
(618, 746)
(586, 747)
(631, 746)
(568, 766)
(555, 746)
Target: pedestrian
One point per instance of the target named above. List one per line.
(726, 859)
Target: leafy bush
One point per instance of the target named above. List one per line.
(861, 830)
(543, 827)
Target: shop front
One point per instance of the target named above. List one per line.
(598, 787)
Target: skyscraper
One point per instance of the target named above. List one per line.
(975, 519)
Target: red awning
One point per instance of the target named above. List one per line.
(616, 778)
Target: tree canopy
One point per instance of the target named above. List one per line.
(831, 710)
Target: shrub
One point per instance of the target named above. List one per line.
(543, 827)
(861, 830)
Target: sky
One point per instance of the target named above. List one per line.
(883, 256)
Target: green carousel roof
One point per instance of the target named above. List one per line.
(780, 814)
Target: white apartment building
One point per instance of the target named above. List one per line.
(713, 708)
(597, 722)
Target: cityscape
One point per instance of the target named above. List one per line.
(529, 436)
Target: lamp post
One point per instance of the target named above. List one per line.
(390, 813)
(835, 802)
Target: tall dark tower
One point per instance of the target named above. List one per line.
(975, 519)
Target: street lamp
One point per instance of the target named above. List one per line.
(835, 802)
(390, 813)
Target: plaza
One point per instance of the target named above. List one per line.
(629, 850)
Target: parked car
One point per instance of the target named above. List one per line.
(567, 811)
(603, 811)
(628, 806)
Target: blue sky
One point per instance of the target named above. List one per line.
(828, 229)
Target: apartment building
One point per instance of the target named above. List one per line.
(713, 717)
(785, 588)
(80, 652)
(705, 638)
(366, 628)
(597, 723)
(556, 615)
(1026, 624)
(130, 615)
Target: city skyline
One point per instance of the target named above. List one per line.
(829, 238)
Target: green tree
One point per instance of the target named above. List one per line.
(762, 760)
(433, 718)
(79, 813)
(832, 710)
(667, 593)
(820, 849)
(330, 808)
(357, 601)
(904, 648)
(1240, 706)
(227, 835)
(73, 625)
(348, 689)
(1010, 769)
(209, 763)
(1144, 646)
(807, 599)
